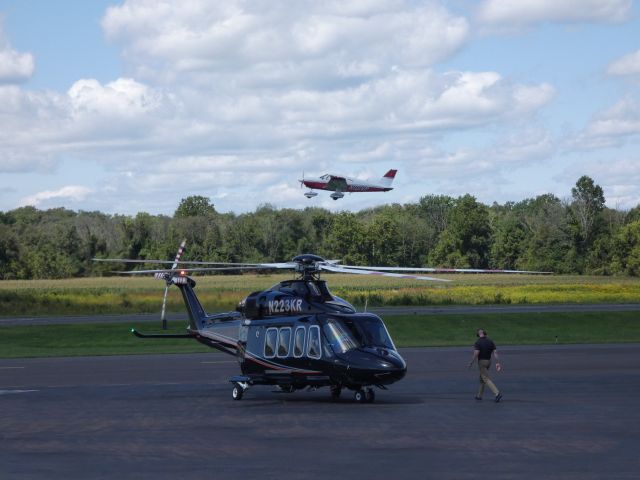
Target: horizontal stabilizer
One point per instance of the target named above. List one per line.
(161, 335)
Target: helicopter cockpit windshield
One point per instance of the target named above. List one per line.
(346, 334)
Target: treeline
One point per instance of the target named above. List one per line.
(577, 235)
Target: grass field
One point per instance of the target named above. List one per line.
(113, 295)
(406, 330)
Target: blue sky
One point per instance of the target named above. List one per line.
(130, 106)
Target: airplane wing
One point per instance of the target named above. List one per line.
(337, 184)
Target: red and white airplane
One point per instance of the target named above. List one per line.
(339, 184)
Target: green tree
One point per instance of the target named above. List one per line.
(588, 203)
(465, 241)
(626, 259)
(509, 242)
(382, 239)
(346, 241)
(195, 206)
(549, 245)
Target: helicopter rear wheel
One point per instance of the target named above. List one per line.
(370, 395)
(335, 392)
(237, 391)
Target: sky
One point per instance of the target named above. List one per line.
(131, 106)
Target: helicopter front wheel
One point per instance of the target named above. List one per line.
(365, 396)
(237, 391)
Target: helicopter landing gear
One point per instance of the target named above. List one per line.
(370, 395)
(238, 390)
(366, 395)
(286, 388)
(335, 392)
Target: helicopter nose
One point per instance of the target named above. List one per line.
(393, 368)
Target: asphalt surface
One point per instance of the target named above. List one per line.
(446, 310)
(569, 412)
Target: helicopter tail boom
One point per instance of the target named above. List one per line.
(218, 331)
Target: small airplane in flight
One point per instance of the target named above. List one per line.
(339, 184)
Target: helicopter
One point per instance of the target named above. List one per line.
(296, 334)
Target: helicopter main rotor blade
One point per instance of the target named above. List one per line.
(170, 262)
(189, 270)
(446, 270)
(339, 269)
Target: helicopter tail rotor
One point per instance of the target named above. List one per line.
(166, 289)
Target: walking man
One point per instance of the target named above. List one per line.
(482, 351)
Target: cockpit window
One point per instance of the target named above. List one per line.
(375, 332)
(364, 331)
(340, 337)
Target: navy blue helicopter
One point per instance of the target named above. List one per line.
(296, 334)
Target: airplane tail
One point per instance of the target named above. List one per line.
(387, 180)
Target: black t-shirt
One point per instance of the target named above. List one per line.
(486, 348)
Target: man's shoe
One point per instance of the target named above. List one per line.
(498, 397)
(477, 397)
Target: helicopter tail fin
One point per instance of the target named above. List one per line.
(197, 315)
(219, 331)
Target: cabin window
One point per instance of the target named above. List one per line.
(313, 344)
(284, 339)
(270, 342)
(298, 342)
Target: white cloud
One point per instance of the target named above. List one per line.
(75, 193)
(521, 148)
(612, 127)
(123, 98)
(15, 67)
(511, 13)
(227, 99)
(282, 43)
(627, 65)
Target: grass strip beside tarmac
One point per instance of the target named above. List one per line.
(406, 330)
(117, 295)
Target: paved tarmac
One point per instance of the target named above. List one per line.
(569, 412)
(417, 310)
